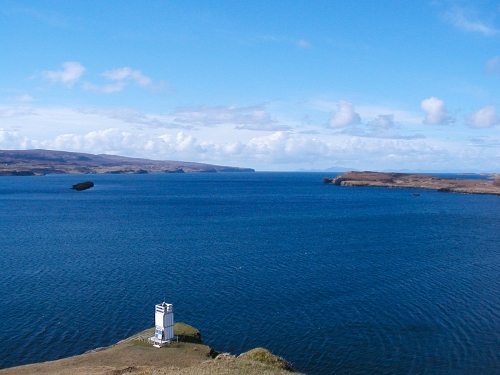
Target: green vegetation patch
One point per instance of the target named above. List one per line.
(140, 343)
(266, 357)
(187, 333)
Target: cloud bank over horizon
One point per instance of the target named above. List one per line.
(193, 134)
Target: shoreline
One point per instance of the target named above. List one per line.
(417, 181)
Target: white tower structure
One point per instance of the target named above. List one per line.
(164, 324)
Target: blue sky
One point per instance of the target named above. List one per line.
(272, 85)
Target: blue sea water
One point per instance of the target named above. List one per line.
(336, 280)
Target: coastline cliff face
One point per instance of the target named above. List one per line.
(417, 181)
(135, 356)
(42, 162)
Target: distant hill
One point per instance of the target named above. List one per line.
(41, 162)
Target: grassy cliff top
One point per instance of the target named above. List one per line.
(135, 356)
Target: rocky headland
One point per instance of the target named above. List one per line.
(42, 162)
(418, 181)
(134, 355)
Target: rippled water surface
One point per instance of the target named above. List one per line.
(336, 280)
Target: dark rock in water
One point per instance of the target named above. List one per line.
(83, 185)
(141, 171)
(415, 195)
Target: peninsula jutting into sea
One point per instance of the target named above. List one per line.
(42, 162)
(135, 356)
(418, 181)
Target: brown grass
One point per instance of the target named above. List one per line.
(266, 357)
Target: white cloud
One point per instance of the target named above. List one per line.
(106, 89)
(484, 118)
(493, 65)
(382, 122)
(181, 142)
(368, 111)
(115, 141)
(376, 144)
(465, 20)
(381, 127)
(302, 43)
(122, 77)
(435, 110)
(379, 133)
(132, 116)
(117, 74)
(127, 73)
(403, 116)
(68, 76)
(345, 116)
(243, 118)
(240, 118)
(16, 112)
(283, 146)
(276, 151)
(106, 141)
(10, 140)
(233, 147)
(24, 98)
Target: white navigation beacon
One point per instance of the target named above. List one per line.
(164, 324)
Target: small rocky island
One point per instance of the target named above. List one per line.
(418, 181)
(83, 185)
(42, 162)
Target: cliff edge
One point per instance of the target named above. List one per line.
(135, 356)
